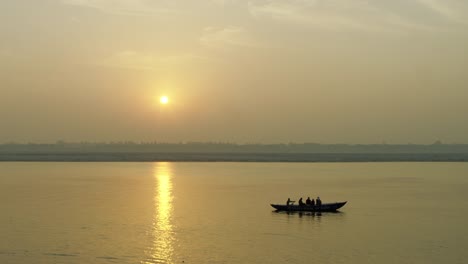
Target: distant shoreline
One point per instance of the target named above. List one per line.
(227, 152)
(229, 157)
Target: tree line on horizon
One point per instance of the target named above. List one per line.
(226, 147)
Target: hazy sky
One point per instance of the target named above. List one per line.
(327, 71)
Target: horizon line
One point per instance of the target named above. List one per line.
(155, 142)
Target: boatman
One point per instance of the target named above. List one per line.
(288, 201)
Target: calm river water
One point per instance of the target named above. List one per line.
(220, 213)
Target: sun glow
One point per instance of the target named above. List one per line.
(164, 100)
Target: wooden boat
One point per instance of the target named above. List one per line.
(325, 207)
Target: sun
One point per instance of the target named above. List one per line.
(164, 100)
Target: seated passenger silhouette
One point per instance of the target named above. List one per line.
(301, 203)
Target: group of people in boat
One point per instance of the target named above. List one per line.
(308, 202)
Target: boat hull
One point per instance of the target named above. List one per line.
(326, 207)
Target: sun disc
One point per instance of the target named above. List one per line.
(164, 100)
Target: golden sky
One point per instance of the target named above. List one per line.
(327, 71)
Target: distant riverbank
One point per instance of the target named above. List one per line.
(233, 157)
(225, 152)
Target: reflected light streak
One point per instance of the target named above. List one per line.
(162, 250)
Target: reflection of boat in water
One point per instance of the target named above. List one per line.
(326, 207)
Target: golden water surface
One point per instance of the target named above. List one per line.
(219, 213)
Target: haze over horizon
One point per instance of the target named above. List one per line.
(212, 142)
(256, 71)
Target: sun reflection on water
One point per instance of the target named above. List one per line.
(162, 248)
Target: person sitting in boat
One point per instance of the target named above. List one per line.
(319, 202)
(312, 202)
(301, 203)
(308, 201)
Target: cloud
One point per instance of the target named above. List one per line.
(131, 59)
(225, 38)
(452, 10)
(321, 14)
(125, 7)
(336, 15)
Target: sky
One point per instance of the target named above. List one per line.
(258, 71)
